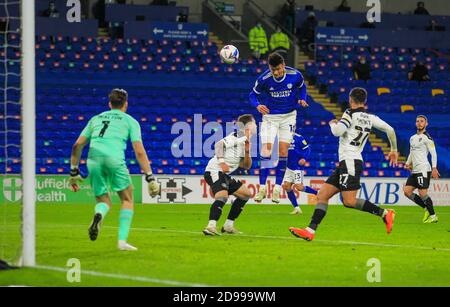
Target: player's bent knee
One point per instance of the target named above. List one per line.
(287, 186)
(283, 152)
(423, 193)
(350, 203)
(221, 195)
(245, 194)
(322, 197)
(407, 191)
(299, 187)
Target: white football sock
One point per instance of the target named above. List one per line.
(310, 230)
(228, 223)
(212, 223)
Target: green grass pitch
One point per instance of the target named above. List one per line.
(174, 252)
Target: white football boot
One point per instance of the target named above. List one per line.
(124, 246)
(260, 195)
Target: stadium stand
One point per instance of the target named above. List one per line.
(391, 95)
(168, 81)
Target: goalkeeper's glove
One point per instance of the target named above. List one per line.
(153, 186)
(75, 178)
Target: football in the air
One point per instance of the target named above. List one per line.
(229, 54)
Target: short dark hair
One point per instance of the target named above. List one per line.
(422, 116)
(245, 119)
(275, 59)
(118, 97)
(359, 95)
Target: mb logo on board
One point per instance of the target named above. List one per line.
(12, 189)
(173, 190)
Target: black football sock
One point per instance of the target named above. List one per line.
(319, 214)
(216, 209)
(236, 208)
(367, 206)
(416, 198)
(429, 204)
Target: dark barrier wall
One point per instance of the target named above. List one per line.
(388, 21)
(121, 13)
(380, 37)
(159, 30)
(60, 26)
(410, 39)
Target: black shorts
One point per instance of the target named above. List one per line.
(219, 181)
(347, 177)
(419, 181)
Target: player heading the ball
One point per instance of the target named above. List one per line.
(108, 134)
(283, 89)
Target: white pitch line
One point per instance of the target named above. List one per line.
(337, 242)
(125, 277)
(334, 242)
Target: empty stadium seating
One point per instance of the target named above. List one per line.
(391, 94)
(168, 82)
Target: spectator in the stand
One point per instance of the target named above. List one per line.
(421, 10)
(419, 73)
(159, 2)
(182, 16)
(98, 10)
(362, 69)
(307, 30)
(257, 38)
(344, 7)
(51, 11)
(279, 42)
(287, 15)
(434, 26)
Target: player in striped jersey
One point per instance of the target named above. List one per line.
(353, 131)
(421, 144)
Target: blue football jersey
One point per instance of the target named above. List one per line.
(299, 149)
(280, 96)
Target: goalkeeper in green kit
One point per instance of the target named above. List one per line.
(108, 134)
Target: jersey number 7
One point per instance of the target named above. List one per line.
(105, 127)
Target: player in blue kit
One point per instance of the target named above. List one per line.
(299, 152)
(276, 95)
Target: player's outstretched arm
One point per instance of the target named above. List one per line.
(75, 176)
(144, 163)
(381, 125)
